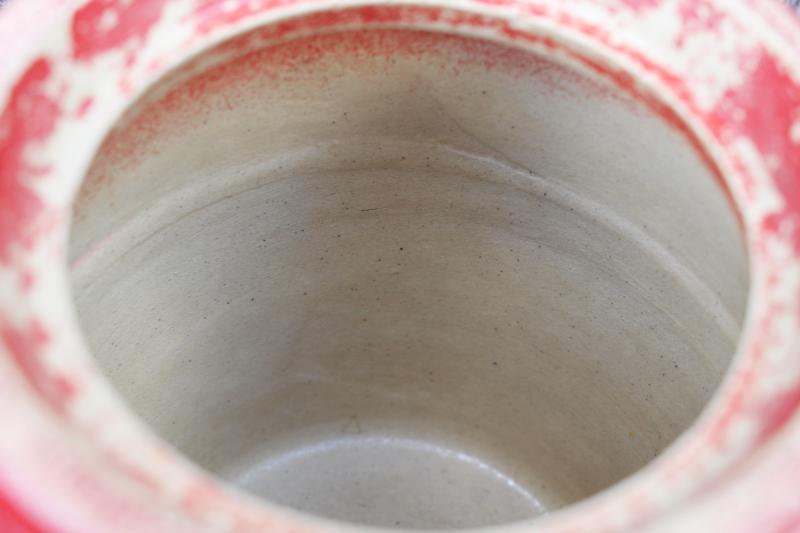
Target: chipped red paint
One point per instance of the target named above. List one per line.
(765, 109)
(85, 106)
(637, 6)
(27, 280)
(25, 346)
(778, 411)
(213, 13)
(29, 117)
(135, 473)
(697, 19)
(13, 520)
(102, 25)
(203, 495)
(210, 16)
(782, 20)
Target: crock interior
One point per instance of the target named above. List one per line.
(406, 279)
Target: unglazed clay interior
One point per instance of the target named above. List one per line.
(404, 279)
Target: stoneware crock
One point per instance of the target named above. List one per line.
(338, 265)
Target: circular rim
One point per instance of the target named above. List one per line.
(722, 73)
